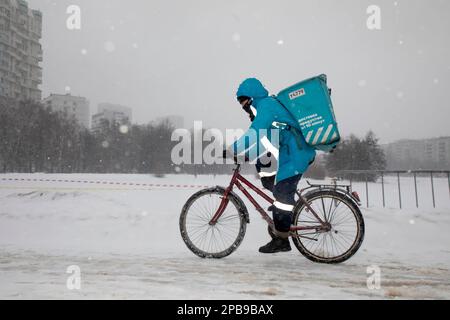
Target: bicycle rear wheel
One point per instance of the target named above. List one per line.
(212, 241)
(347, 227)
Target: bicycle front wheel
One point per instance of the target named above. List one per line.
(212, 241)
(346, 223)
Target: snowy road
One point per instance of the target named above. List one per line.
(243, 276)
(126, 242)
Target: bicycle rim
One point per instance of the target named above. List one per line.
(216, 240)
(345, 236)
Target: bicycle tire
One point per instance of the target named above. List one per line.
(359, 221)
(235, 202)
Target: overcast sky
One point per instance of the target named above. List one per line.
(188, 58)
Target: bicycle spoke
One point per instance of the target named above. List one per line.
(204, 214)
(324, 211)
(343, 220)
(343, 245)
(216, 238)
(334, 211)
(222, 238)
(329, 210)
(344, 227)
(226, 236)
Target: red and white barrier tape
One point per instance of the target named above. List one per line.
(112, 183)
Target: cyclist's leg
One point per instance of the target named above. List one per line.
(268, 182)
(284, 193)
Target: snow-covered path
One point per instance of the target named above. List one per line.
(27, 274)
(126, 243)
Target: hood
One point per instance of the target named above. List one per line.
(254, 89)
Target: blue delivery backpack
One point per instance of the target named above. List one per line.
(309, 102)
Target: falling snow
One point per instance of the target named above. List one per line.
(109, 46)
(362, 83)
(236, 37)
(123, 129)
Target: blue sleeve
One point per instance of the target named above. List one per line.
(250, 143)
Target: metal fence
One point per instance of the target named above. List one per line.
(363, 176)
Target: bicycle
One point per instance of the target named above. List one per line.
(213, 221)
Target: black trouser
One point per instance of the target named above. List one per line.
(268, 183)
(284, 193)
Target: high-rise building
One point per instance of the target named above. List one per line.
(419, 154)
(77, 107)
(111, 114)
(111, 107)
(20, 50)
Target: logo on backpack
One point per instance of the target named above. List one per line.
(297, 94)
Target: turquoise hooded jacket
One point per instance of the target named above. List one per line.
(295, 154)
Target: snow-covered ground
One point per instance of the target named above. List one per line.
(126, 242)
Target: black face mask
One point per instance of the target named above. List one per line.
(247, 109)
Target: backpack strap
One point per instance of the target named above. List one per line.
(297, 134)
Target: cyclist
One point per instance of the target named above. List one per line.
(267, 164)
(294, 157)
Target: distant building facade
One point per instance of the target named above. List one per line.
(176, 121)
(20, 51)
(418, 154)
(76, 107)
(111, 114)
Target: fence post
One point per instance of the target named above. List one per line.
(432, 189)
(367, 191)
(415, 189)
(448, 178)
(399, 190)
(382, 189)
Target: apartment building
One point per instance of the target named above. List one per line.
(20, 51)
(419, 154)
(111, 114)
(76, 107)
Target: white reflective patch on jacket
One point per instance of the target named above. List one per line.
(270, 147)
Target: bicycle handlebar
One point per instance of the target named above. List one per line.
(235, 162)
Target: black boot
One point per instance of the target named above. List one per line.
(276, 245)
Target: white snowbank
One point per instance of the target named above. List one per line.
(126, 241)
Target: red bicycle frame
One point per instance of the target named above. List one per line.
(236, 181)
